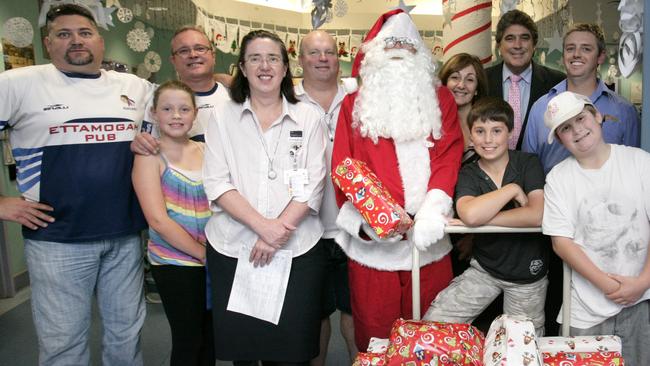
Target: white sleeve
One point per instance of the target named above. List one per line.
(315, 165)
(557, 220)
(216, 173)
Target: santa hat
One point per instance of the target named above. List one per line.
(395, 23)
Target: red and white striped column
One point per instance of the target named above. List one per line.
(470, 29)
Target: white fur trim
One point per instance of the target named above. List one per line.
(350, 84)
(415, 169)
(349, 219)
(431, 219)
(389, 256)
(385, 256)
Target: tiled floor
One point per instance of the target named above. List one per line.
(18, 346)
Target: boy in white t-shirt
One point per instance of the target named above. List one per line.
(596, 210)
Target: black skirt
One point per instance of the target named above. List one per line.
(239, 337)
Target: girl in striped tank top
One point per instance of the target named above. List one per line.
(170, 190)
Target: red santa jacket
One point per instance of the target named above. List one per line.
(409, 170)
(381, 158)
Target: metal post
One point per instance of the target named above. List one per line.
(415, 283)
(566, 300)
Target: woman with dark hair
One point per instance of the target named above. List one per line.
(464, 76)
(264, 175)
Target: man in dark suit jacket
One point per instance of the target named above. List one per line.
(516, 38)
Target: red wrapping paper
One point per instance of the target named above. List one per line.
(583, 359)
(369, 359)
(420, 343)
(366, 192)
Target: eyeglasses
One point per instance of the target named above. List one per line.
(401, 42)
(186, 51)
(256, 60)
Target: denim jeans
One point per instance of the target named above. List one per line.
(63, 279)
(632, 324)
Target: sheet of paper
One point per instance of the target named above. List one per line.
(259, 292)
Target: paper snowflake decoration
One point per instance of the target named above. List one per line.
(137, 10)
(125, 15)
(18, 31)
(340, 8)
(138, 25)
(138, 40)
(150, 32)
(152, 61)
(142, 71)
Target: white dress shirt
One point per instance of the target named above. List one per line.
(237, 159)
(329, 210)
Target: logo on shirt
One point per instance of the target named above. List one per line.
(205, 106)
(130, 103)
(536, 265)
(89, 130)
(53, 107)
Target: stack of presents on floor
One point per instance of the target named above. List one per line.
(511, 341)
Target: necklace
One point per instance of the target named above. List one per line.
(271, 173)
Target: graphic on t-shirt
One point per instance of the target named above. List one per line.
(607, 231)
(536, 265)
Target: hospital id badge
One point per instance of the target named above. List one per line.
(296, 180)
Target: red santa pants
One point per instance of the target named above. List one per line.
(379, 297)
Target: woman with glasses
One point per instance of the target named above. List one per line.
(264, 173)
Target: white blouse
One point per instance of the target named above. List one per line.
(237, 158)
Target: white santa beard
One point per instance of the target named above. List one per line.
(397, 98)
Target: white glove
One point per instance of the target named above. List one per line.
(374, 237)
(427, 232)
(431, 219)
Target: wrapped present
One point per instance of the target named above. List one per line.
(602, 343)
(511, 341)
(419, 343)
(583, 359)
(378, 345)
(366, 192)
(369, 359)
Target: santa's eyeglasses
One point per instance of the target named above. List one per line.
(398, 42)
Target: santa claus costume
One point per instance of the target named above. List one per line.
(406, 130)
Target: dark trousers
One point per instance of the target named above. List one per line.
(268, 363)
(183, 293)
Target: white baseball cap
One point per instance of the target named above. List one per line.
(561, 108)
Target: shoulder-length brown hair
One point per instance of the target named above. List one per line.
(460, 61)
(240, 89)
